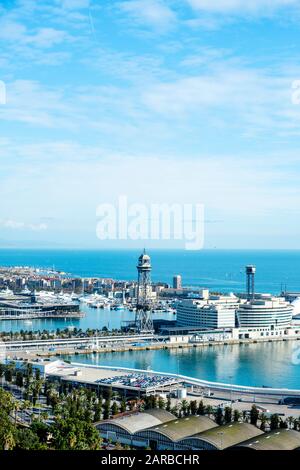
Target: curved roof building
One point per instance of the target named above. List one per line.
(167, 435)
(220, 437)
(282, 439)
(123, 428)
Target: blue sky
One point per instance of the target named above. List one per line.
(186, 101)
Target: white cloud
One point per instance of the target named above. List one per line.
(17, 225)
(16, 32)
(235, 96)
(47, 37)
(64, 182)
(240, 6)
(153, 13)
(74, 4)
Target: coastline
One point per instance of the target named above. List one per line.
(158, 346)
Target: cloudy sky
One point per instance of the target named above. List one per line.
(185, 101)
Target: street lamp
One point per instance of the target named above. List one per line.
(221, 433)
(230, 382)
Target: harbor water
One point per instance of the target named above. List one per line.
(269, 364)
(263, 364)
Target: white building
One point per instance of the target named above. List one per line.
(268, 316)
(217, 313)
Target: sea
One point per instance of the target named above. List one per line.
(219, 270)
(268, 364)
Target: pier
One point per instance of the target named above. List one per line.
(117, 343)
(25, 314)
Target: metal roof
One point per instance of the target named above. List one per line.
(138, 421)
(228, 435)
(182, 427)
(282, 439)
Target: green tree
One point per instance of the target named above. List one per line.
(201, 408)
(184, 407)
(7, 428)
(161, 403)
(219, 416)
(254, 414)
(168, 406)
(274, 422)
(114, 409)
(106, 409)
(290, 421)
(236, 416)
(283, 424)
(209, 410)
(19, 379)
(263, 421)
(123, 406)
(8, 374)
(26, 439)
(194, 407)
(74, 434)
(228, 414)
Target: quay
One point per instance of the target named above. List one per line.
(20, 314)
(192, 382)
(120, 343)
(131, 382)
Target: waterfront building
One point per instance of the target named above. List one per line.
(122, 429)
(196, 314)
(160, 430)
(280, 439)
(221, 437)
(218, 311)
(170, 434)
(177, 282)
(270, 315)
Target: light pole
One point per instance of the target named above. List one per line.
(221, 439)
(230, 382)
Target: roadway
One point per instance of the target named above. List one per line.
(43, 344)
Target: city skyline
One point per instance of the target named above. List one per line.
(164, 101)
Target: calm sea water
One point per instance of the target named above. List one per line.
(261, 364)
(94, 318)
(217, 269)
(267, 364)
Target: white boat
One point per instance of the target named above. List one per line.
(6, 293)
(26, 291)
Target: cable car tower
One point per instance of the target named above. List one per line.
(143, 316)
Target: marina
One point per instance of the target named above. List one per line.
(270, 364)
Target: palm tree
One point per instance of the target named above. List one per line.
(209, 410)
(9, 440)
(184, 407)
(263, 421)
(44, 416)
(290, 420)
(24, 406)
(17, 407)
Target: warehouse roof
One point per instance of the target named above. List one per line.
(138, 421)
(228, 435)
(282, 439)
(182, 427)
